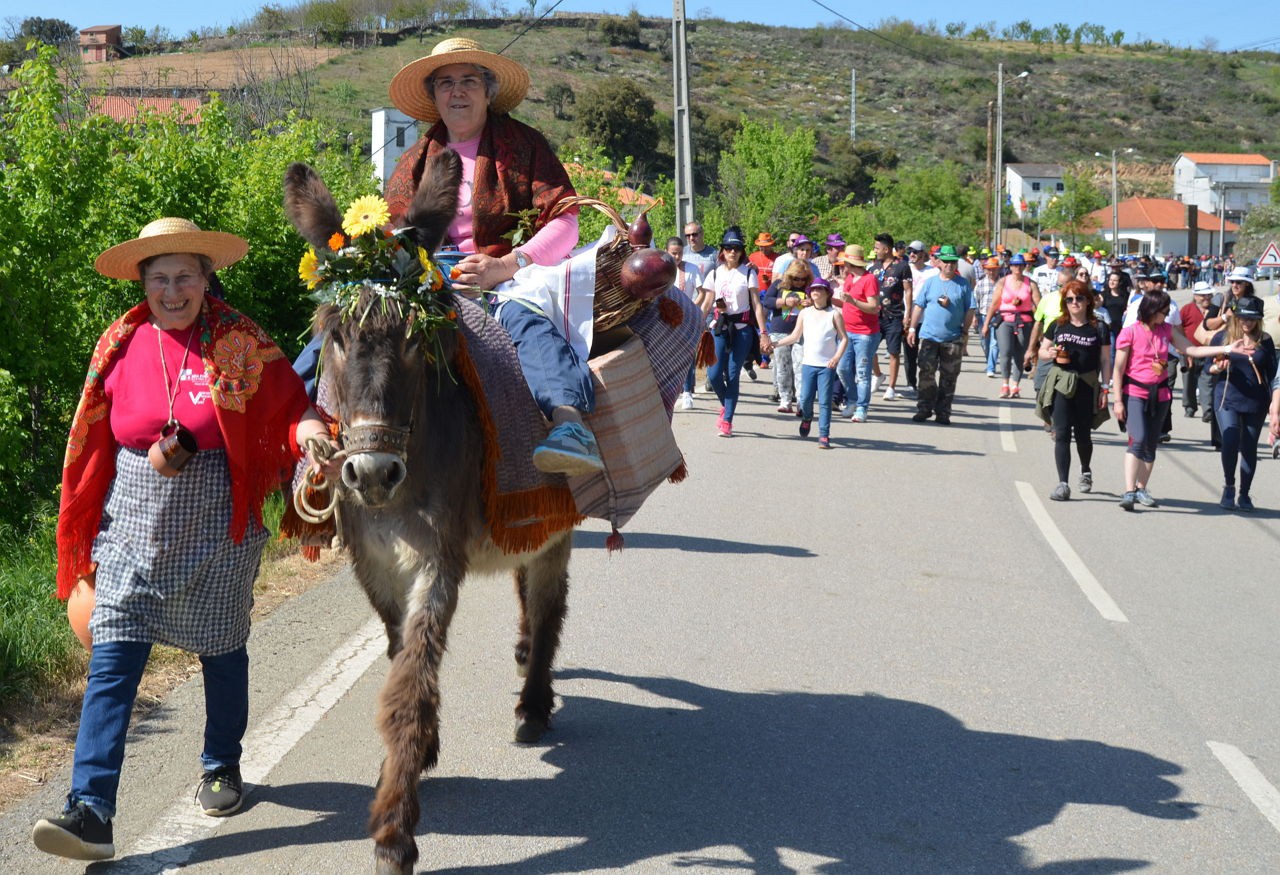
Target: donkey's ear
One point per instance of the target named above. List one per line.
(436, 201)
(310, 206)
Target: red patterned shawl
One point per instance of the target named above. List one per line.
(258, 400)
(515, 170)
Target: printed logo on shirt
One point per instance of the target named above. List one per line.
(195, 378)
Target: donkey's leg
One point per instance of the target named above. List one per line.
(521, 577)
(408, 717)
(544, 585)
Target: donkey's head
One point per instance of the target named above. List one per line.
(384, 338)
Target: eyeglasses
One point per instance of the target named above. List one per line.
(693, 233)
(1075, 299)
(182, 281)
(466, 83)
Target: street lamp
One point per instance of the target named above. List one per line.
(1115, 198)
(998, 206)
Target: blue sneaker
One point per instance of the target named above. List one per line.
(570, 449)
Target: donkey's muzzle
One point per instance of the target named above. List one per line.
(374, 477)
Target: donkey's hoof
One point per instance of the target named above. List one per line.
(530, 730)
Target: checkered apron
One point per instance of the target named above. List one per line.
(167, 570)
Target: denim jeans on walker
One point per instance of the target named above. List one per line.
(732, 350)
(553, 371)
(115, 668)
(857, 360)
(820, 381)
(990, 346)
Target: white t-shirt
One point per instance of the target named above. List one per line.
(733, 285)
(1046, 278)
(687, 276)
(820, 335)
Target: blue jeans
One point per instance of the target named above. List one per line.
(115, 668)
(732, 350)
(858, 356)
(822, 381)
(990, 346)
(553, 371)
(1240, 435)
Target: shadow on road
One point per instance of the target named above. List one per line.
(689, 544)
(869, 783)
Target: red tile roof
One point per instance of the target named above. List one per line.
(628, 196)
(1162, 214)
(1225, 158)
(124, 109)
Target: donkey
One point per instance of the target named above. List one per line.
(411, 510)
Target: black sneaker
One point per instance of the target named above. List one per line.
(219, 791)
(920, 416)
(79, 834)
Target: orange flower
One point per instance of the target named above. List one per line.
(337, 241)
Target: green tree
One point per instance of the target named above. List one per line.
(1068, 210)
(50, 31)
(767, 181)
(854, 166)
(933, 203)
(330, 18)
(618, 115)
(559, 97)
(622, 31)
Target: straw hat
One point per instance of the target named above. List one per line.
(856, 255)
(409, 90)
(170, 236)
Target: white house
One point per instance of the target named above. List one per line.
(393, 133)
(1211, 180)
(1028, 188)
(1162, 226)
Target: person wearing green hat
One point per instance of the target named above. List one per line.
(941, 317)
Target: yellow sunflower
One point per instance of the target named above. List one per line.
(309, 269)
(365, 214)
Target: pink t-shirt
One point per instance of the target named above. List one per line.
(135, 387)
(1146, 346)
(1015, 298)
(551, 245)
(864, 288)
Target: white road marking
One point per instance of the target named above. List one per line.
(1259, 790)
(168, 847)
(1093, 590)
(1006, 430)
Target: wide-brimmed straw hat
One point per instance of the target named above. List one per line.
(170, 236)
(409, 90)
(855, 254)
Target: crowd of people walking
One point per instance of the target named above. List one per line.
(1097, 337)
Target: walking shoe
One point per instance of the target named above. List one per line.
(784, 407)
(1145, 499)
(1165, 438)
(1207, 416)
(725, 428)
(824, 443)
(1004, 391)
(1228, 500)
(570, 449)
(889, 394)
(686, 401)
(991, 375)
(706, 387)
(1061, 492)
(1015, 391)
(909, 391)
(1127, 500)
(1245, 503)
(943, 418)
(1190, 412)
(773, 396)
(219, 791)
(78, 834)
(875, 384)
(1086, 481)
(921, 416)
(805, 426)
(859, 415)
(751, 372)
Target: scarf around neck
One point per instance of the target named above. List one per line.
(258, 400)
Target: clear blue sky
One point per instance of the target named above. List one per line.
(1243, 23)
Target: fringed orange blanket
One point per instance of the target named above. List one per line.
(524, 506)
(258, 400)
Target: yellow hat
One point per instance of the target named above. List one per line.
(409, 90)
(170, 236)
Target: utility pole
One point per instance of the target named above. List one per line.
(683, 134)
(853, 104)
(998, 201)
(991, 116)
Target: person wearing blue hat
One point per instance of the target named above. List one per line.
(734, 290)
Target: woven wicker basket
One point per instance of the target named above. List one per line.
(612, 305)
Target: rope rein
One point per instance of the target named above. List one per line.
(321, 451)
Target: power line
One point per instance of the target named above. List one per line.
(530, 27)
(929, 59)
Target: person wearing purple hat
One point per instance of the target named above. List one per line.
(821, 329)
(802, 249)
(825, 265)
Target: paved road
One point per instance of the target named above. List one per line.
(897, 656)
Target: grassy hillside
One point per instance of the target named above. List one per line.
(923, 96)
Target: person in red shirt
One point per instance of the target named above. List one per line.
(763, 258)
(860, 299)
(1192, 315)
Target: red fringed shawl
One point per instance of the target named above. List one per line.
(515, 170)
(258, 400)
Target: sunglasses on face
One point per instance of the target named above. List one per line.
(1074, 299)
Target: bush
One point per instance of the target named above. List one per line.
(622, 31)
